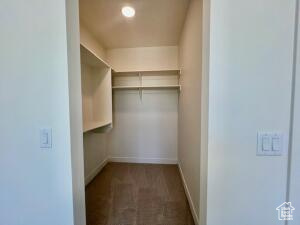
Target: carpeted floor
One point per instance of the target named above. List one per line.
(137, 194)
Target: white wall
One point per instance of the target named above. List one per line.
(190, 102)
(144, 130)
(204, 111)
(75, 104)
(36, 184)
(139, 59)
(295, 165)
(250, 90)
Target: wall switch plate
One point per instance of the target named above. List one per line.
(266, 142)
(270, 144)
(45, 138)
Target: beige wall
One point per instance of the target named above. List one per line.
(140, 59)
(190, 102)
(91, 43)
(95, 154)
(145, 130)
(152, 136)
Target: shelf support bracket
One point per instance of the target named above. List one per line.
(141, 84)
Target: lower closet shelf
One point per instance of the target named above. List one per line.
(94, 125)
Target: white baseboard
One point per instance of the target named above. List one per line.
(97, 170)
(143, 160)
(187, 192)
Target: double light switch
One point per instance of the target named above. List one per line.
(45, 138)
(270, 143)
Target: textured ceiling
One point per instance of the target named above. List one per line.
(156, 22)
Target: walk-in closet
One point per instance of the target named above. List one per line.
(141, 81)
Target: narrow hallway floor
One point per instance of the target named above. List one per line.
(137, 194)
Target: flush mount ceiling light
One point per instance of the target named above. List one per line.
(128, 11)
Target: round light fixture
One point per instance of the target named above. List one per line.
(128, 11)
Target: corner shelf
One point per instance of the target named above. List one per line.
(95, 124)
(90, 58)
(96, 91)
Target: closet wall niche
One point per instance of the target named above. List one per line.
(130, 101)
(139, 96)
(143, 76)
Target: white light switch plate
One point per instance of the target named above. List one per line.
(271, 144)
(45, 138)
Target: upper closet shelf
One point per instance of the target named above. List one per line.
(146, 72)
(148, 87)
(90, 58)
